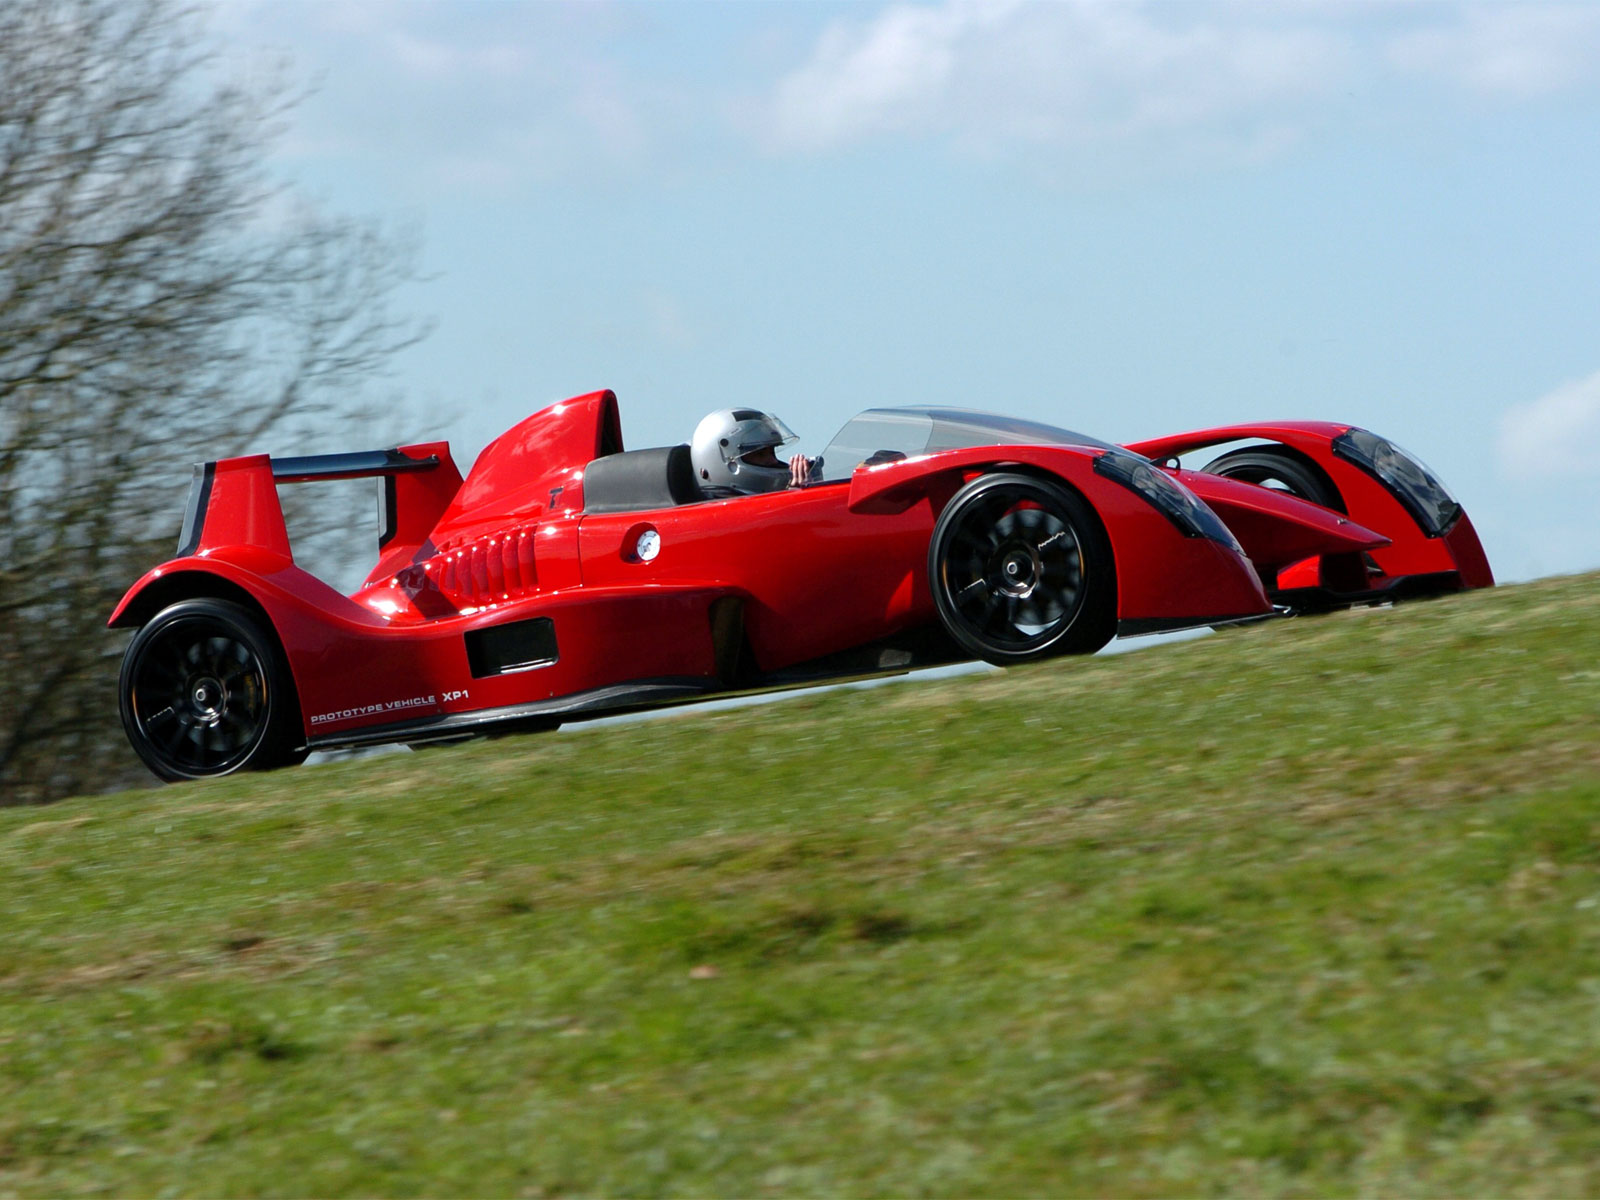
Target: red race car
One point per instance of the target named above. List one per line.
(567, 578)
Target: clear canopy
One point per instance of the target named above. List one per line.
(887, 433)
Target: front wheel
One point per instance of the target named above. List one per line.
(205, 692)
(1020, 569)
(1281, 470)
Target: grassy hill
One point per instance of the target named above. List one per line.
(1306, 908)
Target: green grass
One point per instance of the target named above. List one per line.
(1308, 908)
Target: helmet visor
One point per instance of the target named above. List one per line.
(751, 437)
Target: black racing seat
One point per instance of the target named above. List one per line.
(640, 480)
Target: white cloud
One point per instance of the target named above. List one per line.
(500, 95)
(1557, 435)
(885, 76)
(1522, 49)
(988, 75)
(984, 73)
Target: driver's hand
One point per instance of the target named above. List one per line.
(799, 471)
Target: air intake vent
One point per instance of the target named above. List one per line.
(489, 570)
(514, 646)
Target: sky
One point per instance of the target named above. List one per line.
(1126, 218)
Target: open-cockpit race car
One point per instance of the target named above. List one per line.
(567, 578)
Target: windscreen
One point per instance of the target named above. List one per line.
(905, 432)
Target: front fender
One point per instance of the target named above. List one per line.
(1309, 437)
(1410, 551)
(1162, 576)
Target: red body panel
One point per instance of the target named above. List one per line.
(1466, 549)
(1409, 552)
(1275, 528)
(244, 508)
(812, 572)
(420, 500)
(535, 467)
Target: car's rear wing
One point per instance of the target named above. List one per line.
(234, 501)
(354, 465)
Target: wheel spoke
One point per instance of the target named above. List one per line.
(990, 613)
(158, 672)
(243, 712)
(235, 673)
(1061, 556)
(172, 741)
(1011, 605)
(243, 665)
(997, 615)
(1059, 578)
(1011, 527)
(971, 543)
(978, 600)
(216, 653)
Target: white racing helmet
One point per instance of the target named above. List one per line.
(734, 451)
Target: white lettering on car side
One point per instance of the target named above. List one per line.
(367, 710)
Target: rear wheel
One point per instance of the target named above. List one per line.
(1020, 569)
(1282, 470)
(205, 692)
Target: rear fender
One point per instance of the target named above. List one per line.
(249, 574)
(295, 607)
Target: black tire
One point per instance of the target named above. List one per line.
(205, 692)
(1280, 469)
(1021, 569)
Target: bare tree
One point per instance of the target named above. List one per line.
(160, 302)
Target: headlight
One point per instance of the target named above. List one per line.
(1411, 483)
(1174, 501)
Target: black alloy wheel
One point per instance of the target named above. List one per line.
(1021, 569)
(205, 692)
(1282, 470)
